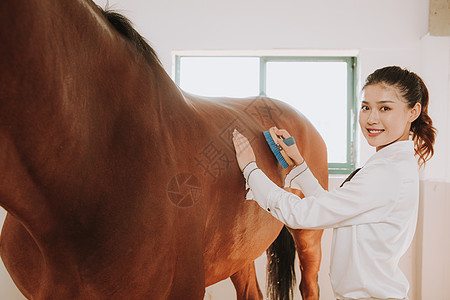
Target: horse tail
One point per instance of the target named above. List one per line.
(280, 267)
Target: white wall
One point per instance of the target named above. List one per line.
(384, 32)
(435, 67)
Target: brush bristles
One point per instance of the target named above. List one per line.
(275, 150)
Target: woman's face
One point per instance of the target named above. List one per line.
(385, 117)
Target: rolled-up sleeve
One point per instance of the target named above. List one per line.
(301, 178)
(358, 201)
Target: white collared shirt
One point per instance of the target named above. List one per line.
(374, 218)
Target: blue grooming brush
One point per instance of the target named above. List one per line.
(279, 153)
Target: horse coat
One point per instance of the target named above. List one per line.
(117, 184)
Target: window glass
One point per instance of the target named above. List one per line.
(319, 91)
(220, 76)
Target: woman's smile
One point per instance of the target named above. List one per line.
(374, 132)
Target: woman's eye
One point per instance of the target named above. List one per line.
(385, 108)
(364, 107)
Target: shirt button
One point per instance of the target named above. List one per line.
(268, 209)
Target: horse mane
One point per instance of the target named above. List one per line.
(124, 26)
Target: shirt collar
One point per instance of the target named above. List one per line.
(400, 146)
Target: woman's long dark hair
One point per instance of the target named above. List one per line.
(413, 89)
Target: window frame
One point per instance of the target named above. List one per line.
(349, 57)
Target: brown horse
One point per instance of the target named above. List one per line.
(117, 184)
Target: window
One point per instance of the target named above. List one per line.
(321, 87)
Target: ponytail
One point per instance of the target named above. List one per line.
(423, 132)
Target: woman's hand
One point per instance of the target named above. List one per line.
(244, 151)
(292, 151)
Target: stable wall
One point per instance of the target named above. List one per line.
(384, 32)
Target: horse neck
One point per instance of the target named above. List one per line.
(166, 94)
(41, 41)
(57, 47)
(69, 84)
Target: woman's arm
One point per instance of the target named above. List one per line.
(300, 173)
(359, 201)
(300, 177)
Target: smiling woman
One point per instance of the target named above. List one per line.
(368, 221)
(396, 102)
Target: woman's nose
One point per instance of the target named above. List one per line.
(373, 117)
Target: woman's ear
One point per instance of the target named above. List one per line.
(415, 112)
